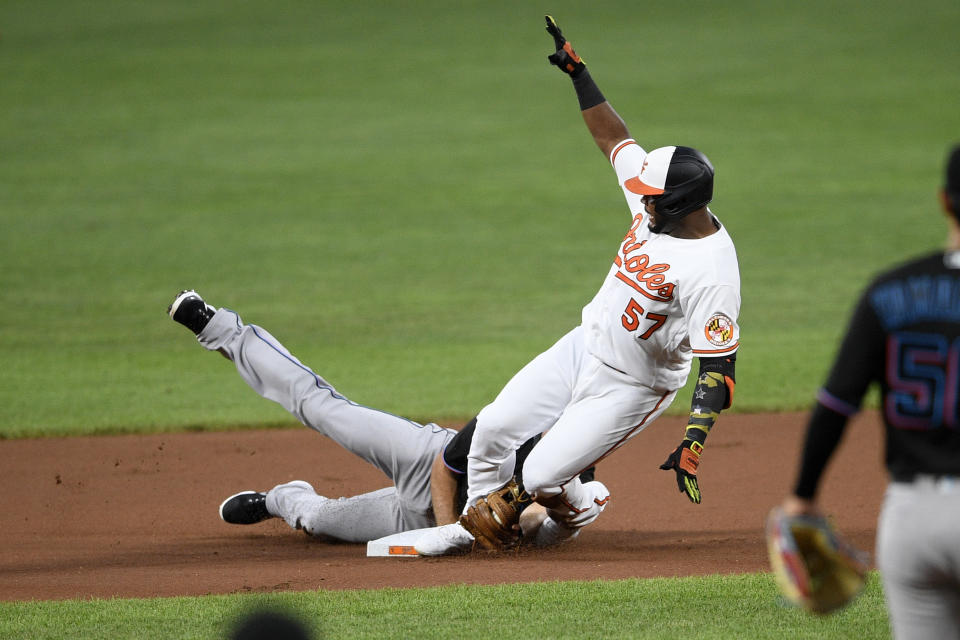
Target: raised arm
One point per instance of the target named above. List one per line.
(604, 124)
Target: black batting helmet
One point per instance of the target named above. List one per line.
(681, 177)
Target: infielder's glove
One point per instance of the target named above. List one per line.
(494, 521)
(684, 460)
(565, 57)
(814, 567)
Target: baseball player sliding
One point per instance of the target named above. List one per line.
(426, 463)
(672, 294)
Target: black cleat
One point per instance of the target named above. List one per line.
(189, 309)
(246, 507)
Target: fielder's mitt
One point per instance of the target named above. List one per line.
(494, 521)
(814, 567)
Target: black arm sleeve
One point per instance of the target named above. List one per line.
(726, 366)
(860, 359)
(712, 394)
(588, 94)
(823, 435)
(858, 363)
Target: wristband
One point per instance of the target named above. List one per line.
(588, 93)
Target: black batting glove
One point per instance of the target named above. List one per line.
(565, 57)
(684, 460)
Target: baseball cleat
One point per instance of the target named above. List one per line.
(445, 540)
(190, 310)
(246, 507)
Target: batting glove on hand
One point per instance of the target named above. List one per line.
(565, 57)
(684, 460)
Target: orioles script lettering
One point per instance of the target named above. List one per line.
(647, 279)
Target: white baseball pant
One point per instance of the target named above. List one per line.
(588, 410)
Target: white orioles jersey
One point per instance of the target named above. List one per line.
(665, 299)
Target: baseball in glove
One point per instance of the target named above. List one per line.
(494, 520)
(814, 566)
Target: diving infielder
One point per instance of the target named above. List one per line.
(671, 294)
(426, 463)
(905, 336)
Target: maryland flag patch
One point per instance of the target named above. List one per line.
(719, 330)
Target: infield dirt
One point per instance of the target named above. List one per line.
(136, 516)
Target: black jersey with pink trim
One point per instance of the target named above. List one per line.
(905, 336)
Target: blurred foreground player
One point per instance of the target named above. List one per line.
(905, 336)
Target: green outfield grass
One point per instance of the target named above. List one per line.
(405, 194)
(710, 608)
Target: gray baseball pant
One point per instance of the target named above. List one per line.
(400, 448)
(918, 554)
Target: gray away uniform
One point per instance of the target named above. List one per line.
(400, 448)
